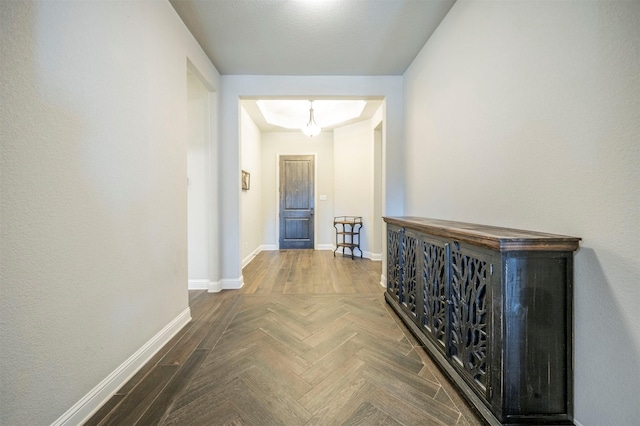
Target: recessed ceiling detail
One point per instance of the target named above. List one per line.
(294, 114)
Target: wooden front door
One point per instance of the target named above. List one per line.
(296, 201)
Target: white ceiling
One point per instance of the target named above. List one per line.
(312, 37)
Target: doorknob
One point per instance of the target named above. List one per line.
(311, 211)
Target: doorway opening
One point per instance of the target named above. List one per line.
(348, 178)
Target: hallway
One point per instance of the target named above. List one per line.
(308, 340)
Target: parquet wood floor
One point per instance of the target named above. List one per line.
(309, 340)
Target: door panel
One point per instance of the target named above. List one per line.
(296, 201)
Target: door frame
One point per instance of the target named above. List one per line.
(315, 195)
(198, 282)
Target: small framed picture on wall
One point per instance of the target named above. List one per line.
(246, 180)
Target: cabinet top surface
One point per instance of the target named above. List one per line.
(493, 237)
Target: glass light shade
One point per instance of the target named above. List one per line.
(311, 129)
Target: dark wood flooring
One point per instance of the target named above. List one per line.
(309, 340)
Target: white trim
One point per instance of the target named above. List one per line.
(232, 283)
(325, 247)
(383, 280)
(198, 284)
(264, 247)
(251, 255)
(214, 287)
(376, 257)
(82, 410)
(577, 423)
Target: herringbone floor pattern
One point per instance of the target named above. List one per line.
(308, 341)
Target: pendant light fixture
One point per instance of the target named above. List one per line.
(311, 129)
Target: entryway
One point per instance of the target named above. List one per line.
(346, 178)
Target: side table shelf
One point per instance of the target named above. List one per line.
(348, 233)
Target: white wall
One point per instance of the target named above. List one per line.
(354, 177)
(252, 227)
(198, 136)
(378, 224)
(235, 87)
(275, 144)
(94, 196)
(526, 114)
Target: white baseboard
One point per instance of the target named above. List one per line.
(210, 286)
(198, 284)
(225, 284)
(82, 410)
(264, 247)
(376, 257)
(383, 280)
(372, 256)
(214, 287)
(251, 255)
(325, 247)
(232, 284)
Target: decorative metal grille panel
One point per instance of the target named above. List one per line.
(434, 307)
(469, 319)
(410, 256)
(393, 263)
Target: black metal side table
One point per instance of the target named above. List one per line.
(348, 233)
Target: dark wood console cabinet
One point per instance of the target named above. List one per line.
(493, 308)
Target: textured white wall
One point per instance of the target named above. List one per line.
(198, 136)
(94, 198)
(354, 177)
(252, 226)
(379, 239)
(235, 86)
(378, 224)
(526, 114)
(275, 144)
